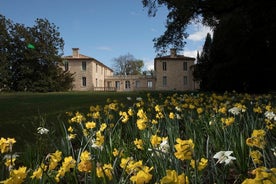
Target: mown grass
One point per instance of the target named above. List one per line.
(21, 113)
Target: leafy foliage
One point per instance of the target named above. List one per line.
(243, 39)
(160, 138)
(128, 65)
(30, 57)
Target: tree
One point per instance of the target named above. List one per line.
(203, 63)
(5, 75)
(128, 65)
(33, 58)
(243, 39)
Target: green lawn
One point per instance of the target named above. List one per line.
(22, 113)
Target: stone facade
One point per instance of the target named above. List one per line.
(172, 72)
(89, 74)
(131, 82)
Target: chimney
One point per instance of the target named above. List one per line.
(75, 52)
(173, 52)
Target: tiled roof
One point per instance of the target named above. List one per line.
(83, 57)
(177, 57)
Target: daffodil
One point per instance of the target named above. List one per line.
(105, 170)
(37, 174)
(139, 143)
(184, 149)
(270, 115)
(42, 130)
(17, 176)
(199, 164)
(55, 158)
(90, 124)
(224, 157)
(6, 144)
(142, 176)
(235, 110)
(173, 178)
(257, 139)
(256, 156)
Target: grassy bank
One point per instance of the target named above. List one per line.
(22, 113)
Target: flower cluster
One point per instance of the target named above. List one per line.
(163, 139)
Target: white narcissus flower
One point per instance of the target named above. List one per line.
(224, 157)
(42, 130)
(235, 110)
(270, 115)
(139, 99)
(164, 146)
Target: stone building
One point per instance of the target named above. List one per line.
(131, 82)
(89, 73)
(172, 72)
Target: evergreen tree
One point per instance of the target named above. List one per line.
(243, 43)
(203, 63)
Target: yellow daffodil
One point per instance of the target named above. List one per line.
(257, 139)
(173, 178)
(55, 158)
(142, 176)
(17, 176)
(6, 144)
(256, 156)
(105, 170)
(90, 124)
(184, 149)
(200, 165)
(139, 143)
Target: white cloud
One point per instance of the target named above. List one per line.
(190, 53)
(148, 64)
(199, 33)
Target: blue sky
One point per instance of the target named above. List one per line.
(102, 29)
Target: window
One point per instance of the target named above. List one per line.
(185, 66)
(96, 68)
(164, 81)
(109, 83)
(137, 84)
(96, 82)
(66, 65)
(83, 66)
(83, 81)
(185, 80)
(164, 66)
(127, 84)
(149, 84)
(117, 84)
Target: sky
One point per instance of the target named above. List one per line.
(103, 29)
